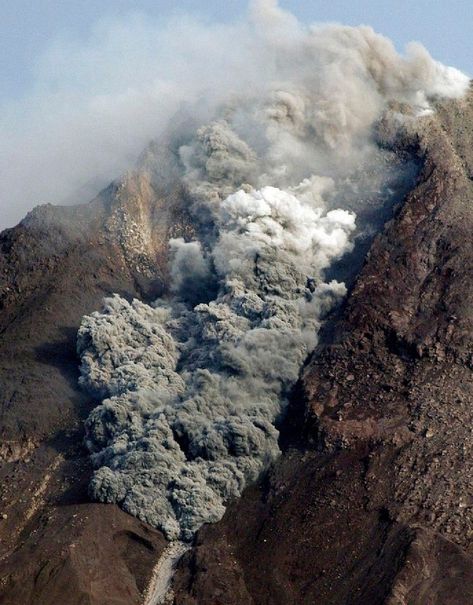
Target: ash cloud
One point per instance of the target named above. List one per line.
(96, 103)
(193, 392)
(274, 169)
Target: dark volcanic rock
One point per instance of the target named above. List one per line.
(373, 504)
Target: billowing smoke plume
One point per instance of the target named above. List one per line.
(193, 392)
(194, 385)
(97, 102)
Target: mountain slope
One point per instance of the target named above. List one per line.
(56, 266)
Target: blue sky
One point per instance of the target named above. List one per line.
(28, 26)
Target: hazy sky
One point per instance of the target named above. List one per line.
(85, 84)
(27, 26)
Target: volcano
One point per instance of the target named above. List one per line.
(242, 373)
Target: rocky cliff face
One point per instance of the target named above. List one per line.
(371, 500)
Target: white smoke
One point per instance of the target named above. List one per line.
(195, 385)
(96, 103)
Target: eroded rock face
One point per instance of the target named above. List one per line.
(372, 501)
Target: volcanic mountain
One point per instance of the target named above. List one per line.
(370, 500)
(257, 345)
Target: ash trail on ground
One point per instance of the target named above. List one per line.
(159, 591)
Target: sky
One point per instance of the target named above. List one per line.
(27, 27)
(76, 77)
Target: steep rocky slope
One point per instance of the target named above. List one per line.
(371, 502)
(54, 267)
